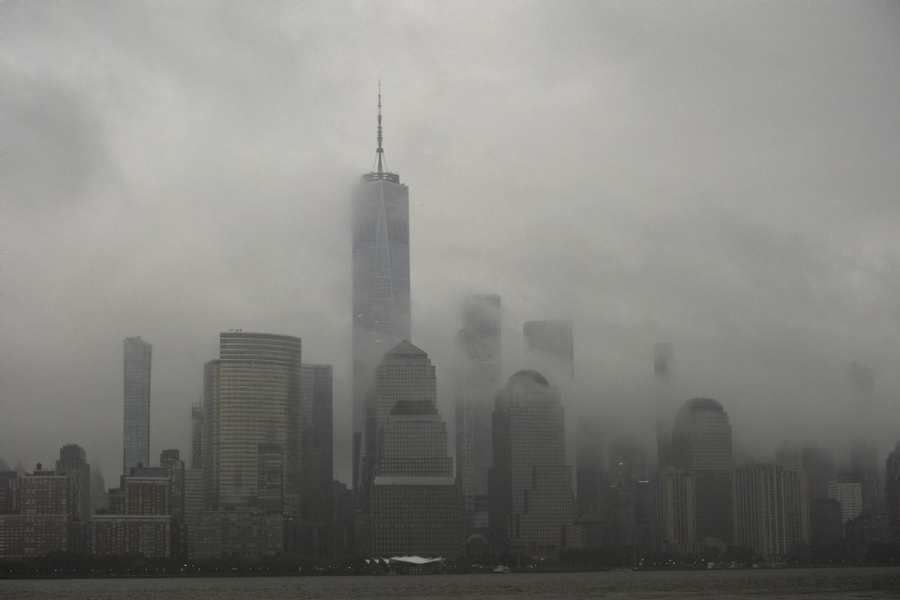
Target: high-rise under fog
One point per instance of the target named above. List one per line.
(381, 299)
(136, 448)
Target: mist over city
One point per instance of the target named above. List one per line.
(718, 177)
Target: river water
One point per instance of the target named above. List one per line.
(782, 584)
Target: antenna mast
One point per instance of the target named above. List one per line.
(379, 152)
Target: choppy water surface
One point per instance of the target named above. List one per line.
(788, 584)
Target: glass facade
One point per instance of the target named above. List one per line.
(251, 400)
(381, 297)
(701, 445)
(529, 463)
(136, 448)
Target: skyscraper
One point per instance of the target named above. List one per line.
(477, 381)
(316, 458)
(530, 484)
(701, 445)
(768, 509)
(381, 298)
(136, 450)
(673, 514)
(663, 375)
(863, 454)
(415, 503)
(251, 401)
(73, 463)
(405, 374)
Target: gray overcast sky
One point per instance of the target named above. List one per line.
(720, 175)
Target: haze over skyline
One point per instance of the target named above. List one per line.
(718, 176)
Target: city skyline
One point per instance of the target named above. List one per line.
(769, 265)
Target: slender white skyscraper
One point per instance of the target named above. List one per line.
(662, 369)
(136, 447)
(381, 301)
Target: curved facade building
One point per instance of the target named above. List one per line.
(251, 402)
(701, 445)
(530, 484)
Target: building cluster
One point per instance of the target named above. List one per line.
(259, 480)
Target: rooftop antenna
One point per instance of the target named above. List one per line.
(379, 152)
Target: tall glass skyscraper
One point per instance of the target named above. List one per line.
(136, 448)
(701, 445)
(251, 405)
(381, 302)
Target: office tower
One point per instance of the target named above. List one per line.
(381, 300)
(673, 520)
(196, 435)
(849, 495)
(415, 507)
(73, 463)
(550, 344)
(767, 509)
(405, 374)
(892, 489)
(343, 523)
(316, 458)
(530, 484)
(251, 398)
(701, 445)
(627, 518)
(137, 354)
(477, 380)
(863, 454)
(663, 364)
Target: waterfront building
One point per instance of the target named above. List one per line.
(768, 503)
(673, 521)
(137, 358)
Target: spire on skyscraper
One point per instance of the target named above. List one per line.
(379, 151)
